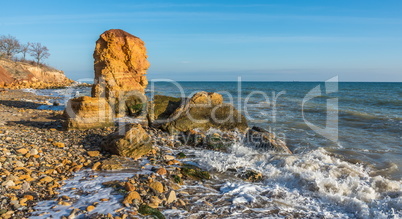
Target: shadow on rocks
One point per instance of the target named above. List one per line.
(52, 122)
(20, 104)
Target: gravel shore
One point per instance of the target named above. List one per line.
(37, 156)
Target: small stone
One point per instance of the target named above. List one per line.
(161, 171)
(59, 144)
(171, 197)
(29, 197)
(129, 187)
(90, 208)
(169, 157)
(181, 202)
(156, 186)
(19, 164)
(33, 152)
(155, 202)
(22, 151)
(131, 196)
(8, 183)
(104, 199)
(46, 179)
(64, 203)
(23, 201)
(93, 153)
(96, 165)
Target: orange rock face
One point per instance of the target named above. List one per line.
(88, 112)
(120, 64)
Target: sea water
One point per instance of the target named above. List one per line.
(356, 174)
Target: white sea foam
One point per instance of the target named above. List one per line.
(310, 184)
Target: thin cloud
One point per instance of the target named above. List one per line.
(142, 16)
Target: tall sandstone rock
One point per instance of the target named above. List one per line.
(120, 65)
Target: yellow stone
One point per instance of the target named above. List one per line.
(131, 196)
(29, 197)
(96, 165)
(64, 203)
(46, 179)
(22, 151)
(161, 171)
(157, 186)
(93, 153)
(59, 144)
(90, 208)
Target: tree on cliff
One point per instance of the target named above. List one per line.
(24, 49)
(9, 46)
(38, 52)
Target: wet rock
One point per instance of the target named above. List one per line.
(111, 164)
(133, 195)
(171, 197)
(203, 111)
(193, 172)
(251, 175)
(264, 140)
(161, 171)
(147, 210)
(157, 186)
(134, 143)
(90, 208)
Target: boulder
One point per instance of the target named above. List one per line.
(204, 111)
(88, 112)
(129, 141)
(161, 108)
(120, 65)
(262, 139)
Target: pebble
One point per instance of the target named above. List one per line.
(171, 197)
(93, 153)
(22, 151)
(90, 208)
(131, 196)
(157, 186)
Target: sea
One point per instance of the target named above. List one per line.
(346, 139)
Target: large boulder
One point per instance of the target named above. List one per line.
(129, 141)
(120, 65)
(88, 112)
(202, 111)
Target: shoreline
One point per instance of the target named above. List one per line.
(37, 157)
(43, 165)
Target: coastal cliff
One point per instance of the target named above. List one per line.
(17, 75)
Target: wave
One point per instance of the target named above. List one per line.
(313, 184)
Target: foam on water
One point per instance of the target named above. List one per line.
(310, 184)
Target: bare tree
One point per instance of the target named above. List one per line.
(24, 49)
(9, 45)
(39, 52)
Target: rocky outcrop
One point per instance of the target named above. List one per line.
(134, 143)
(88, 112)
(17, 75)
(120, 65)
(202, 111)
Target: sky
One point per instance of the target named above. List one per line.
(271, 40)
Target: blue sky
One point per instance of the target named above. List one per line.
(280, 40)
